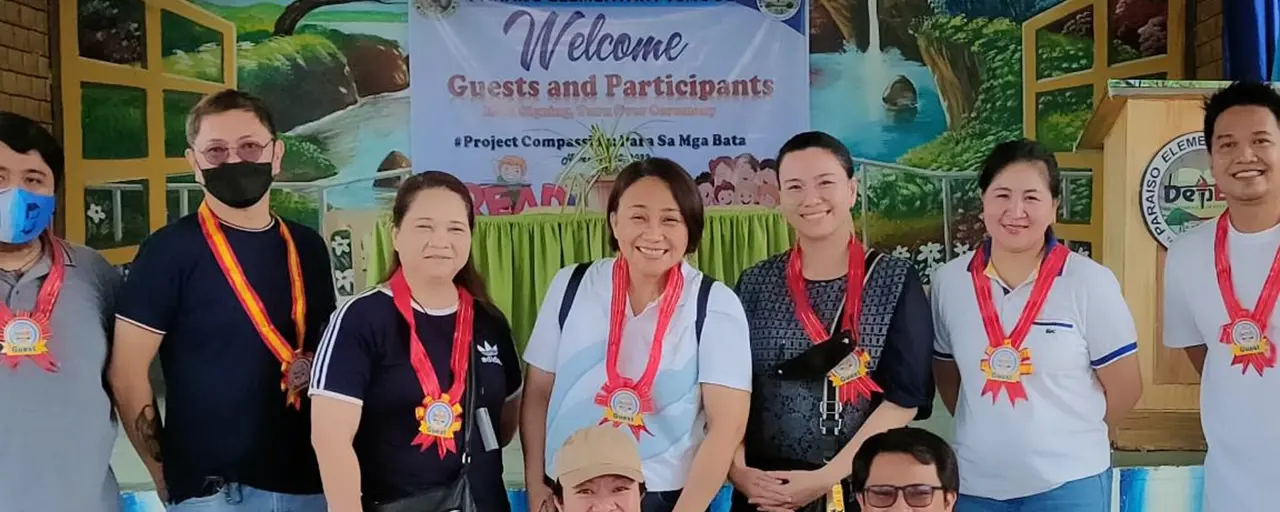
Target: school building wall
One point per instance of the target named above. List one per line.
(26, 59)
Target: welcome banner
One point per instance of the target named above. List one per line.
(507, 93)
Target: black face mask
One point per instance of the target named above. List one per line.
(238, 184)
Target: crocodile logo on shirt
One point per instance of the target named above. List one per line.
(488, 353)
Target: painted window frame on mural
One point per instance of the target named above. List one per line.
(150, 171)
(1081, 233)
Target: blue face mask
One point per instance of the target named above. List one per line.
(24, 215)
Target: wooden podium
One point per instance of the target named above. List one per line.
(1155, 184)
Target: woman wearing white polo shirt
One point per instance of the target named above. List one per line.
(617, 342)
(1033, 351)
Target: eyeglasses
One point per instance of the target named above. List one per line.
(248, 151)
(884, 496)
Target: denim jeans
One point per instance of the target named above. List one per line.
(1088, 494)
(242, 498)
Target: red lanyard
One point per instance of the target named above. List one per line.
(440, 415)
(1006, 361)
(852, 298)
(26, 335)
(1246, 331)
(851, 377)
(627, 401)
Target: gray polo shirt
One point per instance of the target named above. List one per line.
(57, 430)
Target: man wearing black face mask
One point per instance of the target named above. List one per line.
(233, 298)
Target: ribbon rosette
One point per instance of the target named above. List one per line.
(1007, 373)
(621, 409)
(441, 435)
(1263, 356)
(30, 342)
(851, 379)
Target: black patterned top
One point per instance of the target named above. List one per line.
(896, 329)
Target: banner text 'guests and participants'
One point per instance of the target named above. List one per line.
(505, 92)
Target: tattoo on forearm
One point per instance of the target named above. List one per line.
(148, 428)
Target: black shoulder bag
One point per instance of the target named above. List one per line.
(455, 497)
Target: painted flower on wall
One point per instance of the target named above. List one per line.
(95, 213)
(344, 281)
(340, 245)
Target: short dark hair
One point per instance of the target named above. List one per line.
(1019, 150)
(228, 100)
(24, 135)
(683, 189)
(817, 139)
(923, 446)
(1238, 94)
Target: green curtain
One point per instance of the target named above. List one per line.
(519, 254)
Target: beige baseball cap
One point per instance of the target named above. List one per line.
(597, 451)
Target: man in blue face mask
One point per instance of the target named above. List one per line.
(233, 298)
(55, 322)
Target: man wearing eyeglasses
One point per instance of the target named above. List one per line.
(906, 469)
(233, 298)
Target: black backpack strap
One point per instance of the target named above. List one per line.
(704, 296)
(570, 291)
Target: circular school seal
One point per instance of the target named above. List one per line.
(625, 404)
(1178, 191)
(436, 8)
(779, 9)
(439, 418)
(1246, 336)
(1004, 364)
(21, 336)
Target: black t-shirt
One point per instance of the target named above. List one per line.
(364, 359)
(225, 414)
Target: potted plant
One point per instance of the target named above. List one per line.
(589, 172)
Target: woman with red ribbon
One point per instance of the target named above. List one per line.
(840, 338)
(409, 371)
(645, 343)
(1034, 350)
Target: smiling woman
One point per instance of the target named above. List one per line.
(839, 333)
(1034, 346)
(682, 396)
(405, 411)
(655, 216)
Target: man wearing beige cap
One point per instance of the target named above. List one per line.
(598, 470)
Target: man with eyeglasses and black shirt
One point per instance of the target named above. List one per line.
(233, 298)
(906, 469)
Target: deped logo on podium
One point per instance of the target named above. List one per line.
(1178, 191)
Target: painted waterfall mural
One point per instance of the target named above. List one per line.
(911, 86)
(932, 85)
(918, 89)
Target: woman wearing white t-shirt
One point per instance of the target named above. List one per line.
(1034, 351)
(643, 342)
